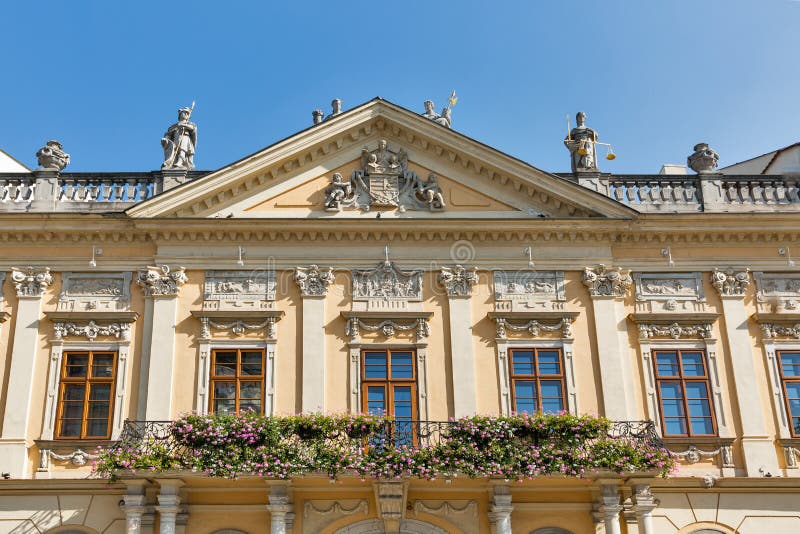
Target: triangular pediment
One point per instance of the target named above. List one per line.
(383, 159)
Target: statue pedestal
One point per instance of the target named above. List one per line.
(173, 178)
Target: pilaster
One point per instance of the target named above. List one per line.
(161, 287)
(643, 505)
(30, 283)
(608, 287)
(313, 283)
(279, 508)
(609, 506)
(758, 449)
(458, 283)
(168, 505)
(134, 506)
(500, 510)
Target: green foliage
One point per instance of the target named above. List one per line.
(514, 447)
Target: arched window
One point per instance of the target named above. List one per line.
(551, 530)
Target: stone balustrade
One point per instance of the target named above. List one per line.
(50, 191)
(711, 192)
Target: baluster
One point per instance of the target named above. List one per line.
(745, 193)
(769, 192)
(757, 192)
(630, 192)
(4, 192)
(780, 192)
(617, 191)
(666, 192)
(791, 190)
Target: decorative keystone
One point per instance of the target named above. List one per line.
(730, 283)
(313, 281)
(31, 281)
(457, 280)
(602, 281)
(160, 281)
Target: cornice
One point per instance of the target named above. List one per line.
(668, 317)
(123, 317)
(237, 314)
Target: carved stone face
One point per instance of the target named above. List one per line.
(580, 118)
(428, 106)
(183, 115)
(382, 145)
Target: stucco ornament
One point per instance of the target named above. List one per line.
(179, 142)
(31, 281)
(161, 281)
(313, 281)
(51, 157)
(384, 181)
(458, 280)
(581, 145)
(607, 282)
(704, 159)
(729, 282)
(386, 281)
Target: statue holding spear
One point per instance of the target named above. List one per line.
(179, 142)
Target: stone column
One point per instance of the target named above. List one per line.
(607, 288)
(759, 451)
(313, 283)
(168, 505)
(279, 508)
(161, 287)
(500, 511)
(458, 283)
(609, 506)
(133, 506)
(643, 505)
(30, 284)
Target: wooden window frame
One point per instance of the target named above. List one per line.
(236, 378)
(536, 377)
(784, 380)
(87, 381)
(389, 382)
(683, 380)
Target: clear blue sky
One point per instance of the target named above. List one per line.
(655, 77)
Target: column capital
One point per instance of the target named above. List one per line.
(161, 280)
(730, 282)
(313, 280)
(458, 280)
(602, 281)
(31, 281)
(643, 499)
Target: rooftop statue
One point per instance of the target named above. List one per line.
(336, 108)
(704, 159)
(179, 142)
(51, 157)
(443, 118)
(581, 145)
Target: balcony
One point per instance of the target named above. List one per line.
(511, 447)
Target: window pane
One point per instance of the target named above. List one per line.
(790, 363)
(667, 364)
(77, 365)
(702, 425)
(224, 390)
(225, 363)
(525, 395)
(671, 390)
(522, 362)
(549, 363)
(97, 427)
(699, 407)
(70, 428)
(74, 392)
(102, 365)
(672, 408)
(250, 390)
(98, 410)
(552, 405)
(402, 365)
(250, 405)
(693, 364)
(550, 388)
(225, 407)
(375, 365)
(251, 363)
(376, 400)
(402, 402)
(696, 390)
(794, 407)
(98, 392)
(72, 410)
(675, 426)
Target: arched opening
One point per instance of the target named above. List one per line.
(375, 526)
(229, 531)
(551, 530)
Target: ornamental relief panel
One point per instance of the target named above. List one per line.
(669, 292)
(95, 292)
(778, 292)
(239, 290)
(386, 287)
(529, 291)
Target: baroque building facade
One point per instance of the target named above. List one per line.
(381, 261)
